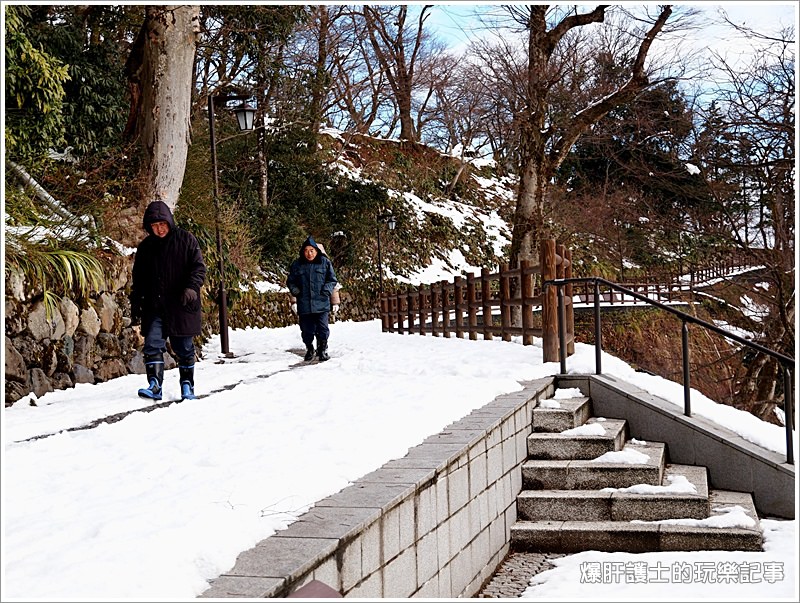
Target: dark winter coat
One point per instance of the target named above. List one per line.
(162, 269)
(312, 283)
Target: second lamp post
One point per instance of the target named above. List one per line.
(390, 221)
(244, 116)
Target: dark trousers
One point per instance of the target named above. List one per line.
(155, 344)
(314, 324)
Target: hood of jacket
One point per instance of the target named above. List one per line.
(310, 242)
(157, 211)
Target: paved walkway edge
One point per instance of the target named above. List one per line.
(435, 523)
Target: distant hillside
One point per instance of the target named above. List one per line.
(454, 212)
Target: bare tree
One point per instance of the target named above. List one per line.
(544, 140)
(398, 47)
(753, 183)
(456, 121)
(360, 91)
(160, 71)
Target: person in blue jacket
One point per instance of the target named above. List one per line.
(311, 281)
(168, 273)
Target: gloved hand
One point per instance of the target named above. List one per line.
(335, 308)
(294, 308)
(189, 296)
(136, 314)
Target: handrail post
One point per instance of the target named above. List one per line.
(570, 297)
(598, 334)
(687, 404)
(562, 330)
(788, 413)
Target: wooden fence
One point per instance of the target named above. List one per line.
(697, 271)
(503, 304)
(511, 302)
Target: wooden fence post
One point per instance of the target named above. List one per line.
(400, 309)
(391, 300)
(549, 303)
(421, 309)
(410, 308)
(486, 300)
(472, 313)
(505, 298)
(458, 302)
(526, 291)
(434, 310)
(383, 304)
(445, 309)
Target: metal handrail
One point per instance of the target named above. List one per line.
(787, 363)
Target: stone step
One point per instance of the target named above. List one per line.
(588, 441)
(642, 537)
(555, 415)
(683, 495)
(594, 474)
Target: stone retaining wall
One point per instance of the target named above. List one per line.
(79, 341)
(91, 340)
(435, 523)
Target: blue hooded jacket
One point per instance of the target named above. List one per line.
(312, 283)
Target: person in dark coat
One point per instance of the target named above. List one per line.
(168, 272)
(311, 281)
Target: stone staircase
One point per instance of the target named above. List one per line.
(587, 486)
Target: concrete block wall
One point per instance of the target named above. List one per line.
(435, 523)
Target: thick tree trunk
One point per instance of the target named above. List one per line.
(529, 224)
(529, 227)
(403, 98)
(166, 78)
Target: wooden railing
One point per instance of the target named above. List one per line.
(493, 304)
(696, 271)
(663, 292)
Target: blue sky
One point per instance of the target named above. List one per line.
(456, 22)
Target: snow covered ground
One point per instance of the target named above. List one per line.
(154, 505)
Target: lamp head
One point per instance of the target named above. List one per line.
(245, 115)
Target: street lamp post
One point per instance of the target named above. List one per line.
(244, 117)
(390, 221)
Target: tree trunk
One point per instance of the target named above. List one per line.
(398, 57)
(403, 98)
(170, 42)
(529, 226)
(263, 170)
(320, 85)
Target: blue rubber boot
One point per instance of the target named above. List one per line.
(187, 391)
(154, 366)
(186, 370)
